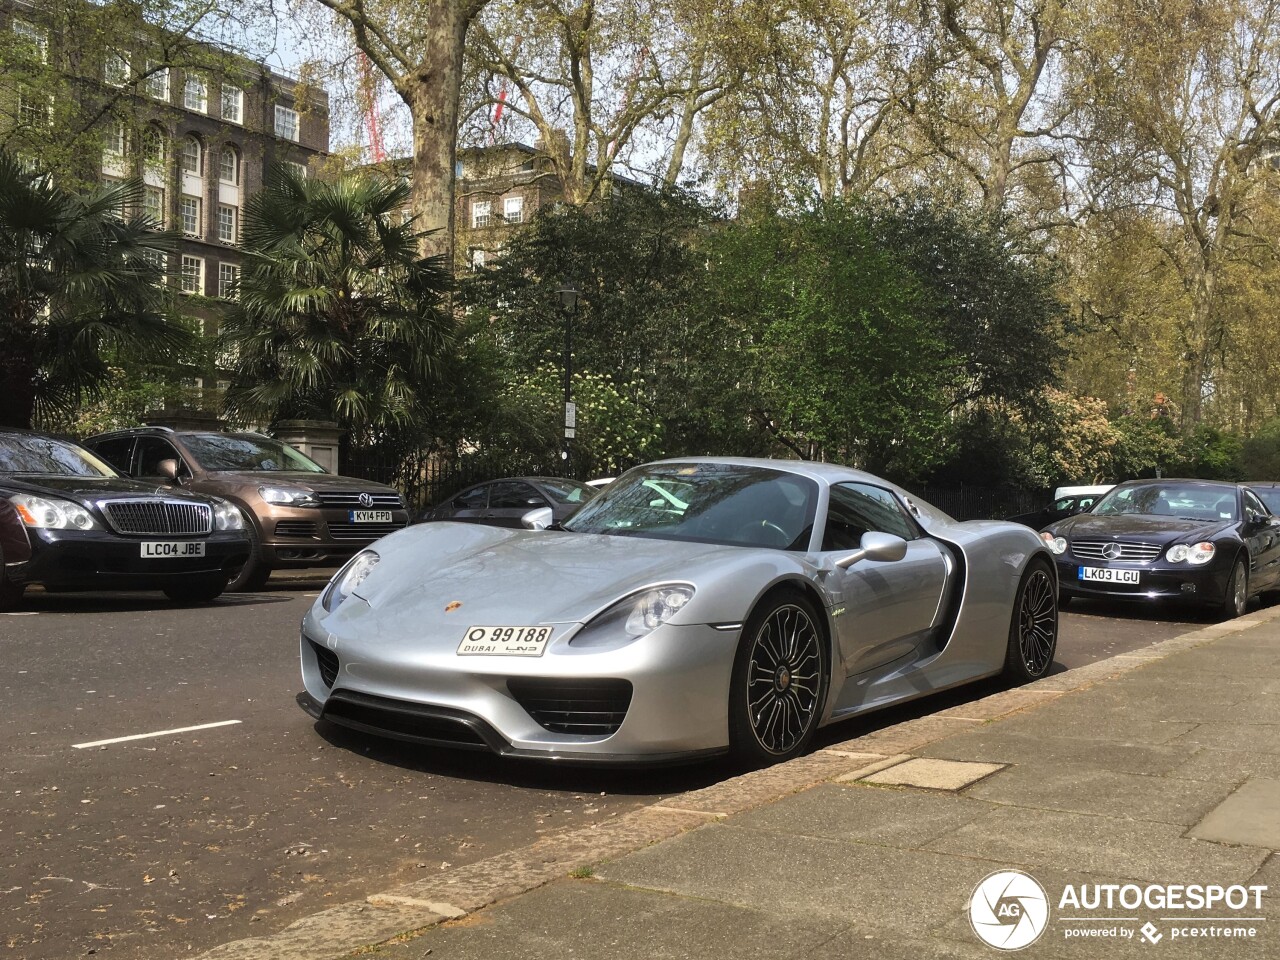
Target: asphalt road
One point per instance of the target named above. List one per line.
(169, 845)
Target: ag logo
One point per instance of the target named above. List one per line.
(1009, 910)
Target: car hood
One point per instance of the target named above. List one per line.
(491, 576)
(300, 478)
(85, 490)
(1144, 527)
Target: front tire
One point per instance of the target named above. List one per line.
(1236, 601)
(253, 575)
(202, 590)
(1033, 630)
(779, 685)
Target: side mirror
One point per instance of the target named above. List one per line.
(884, 547)
(169, 470)
(538, 519)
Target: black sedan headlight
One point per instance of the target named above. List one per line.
(348, 578)
(227, 516)
(50, 513)
(1057, 545)
(1196, 554)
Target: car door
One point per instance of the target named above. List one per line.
(883, 610)
(1263, 539)
(509, 500)
(117, 451)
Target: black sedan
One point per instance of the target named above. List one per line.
(68, 521)
(1211, 543)
(501, 503)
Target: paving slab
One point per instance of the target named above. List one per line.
(933, 774)
(1262, 737)
(590, 920)
(1082, 787)
(906, 737)
(998, 744)
(803, 876)
(1128, 849)
(1228, 766)
(1071, 718)
(1251, 816)
(896, 818)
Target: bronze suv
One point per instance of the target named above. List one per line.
(296, 514)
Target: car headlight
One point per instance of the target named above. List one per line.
(348, 578)
(227, 516)
(1195, 553)
(49, 514)
(1055, 544)
(635, 616)
(288, 496)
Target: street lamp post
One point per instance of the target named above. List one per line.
(569, 294)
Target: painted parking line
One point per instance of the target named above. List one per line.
(158, 733)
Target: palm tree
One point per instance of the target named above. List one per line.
(337, 317)
(80, 284)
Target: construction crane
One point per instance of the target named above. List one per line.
(369, 97)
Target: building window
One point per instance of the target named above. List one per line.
(33, 37)
(229, 165)
(33, 109)
(475, 257)
(513, 209)
(299, 170)
(232, 103)
(192, 274)
(287, 123)
(157, 82)
(190, 160)
(117, 139)
(480, 213)
(526, 167)
(195, 94)
(158, 259)
(115, 69)
(228, 277)
(153, 204)
(153, 147)
(189, 213)
(226, 224)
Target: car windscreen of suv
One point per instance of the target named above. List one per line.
(46, 457)
(230, 451)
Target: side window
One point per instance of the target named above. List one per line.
(151, 450)
(1065, 503)
(473, 499)
(857, 508)
(1253, 507)
(116, 452)
(511, 495)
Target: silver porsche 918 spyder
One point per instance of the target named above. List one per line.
(695, 607)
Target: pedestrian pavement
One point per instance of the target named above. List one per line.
(1127, 791)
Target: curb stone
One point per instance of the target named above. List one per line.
(412, 908)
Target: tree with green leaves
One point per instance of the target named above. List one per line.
(80, 285)
(337, 315)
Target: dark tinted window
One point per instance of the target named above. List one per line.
(511, 495)
(116, 452)
(151, 450)
(31, 455)
(857, 508)
(474, 499)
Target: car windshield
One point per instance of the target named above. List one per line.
(1189, 501)
(238, 451)
(47, 457)
(567, 491)
(734, 504)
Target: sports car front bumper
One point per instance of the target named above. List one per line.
(661, 698)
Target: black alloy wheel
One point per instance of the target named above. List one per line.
(1033, 631)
